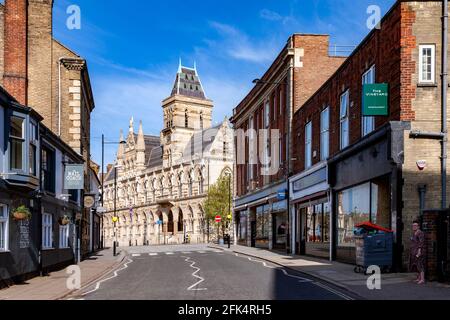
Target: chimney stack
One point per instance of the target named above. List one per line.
(15, 76)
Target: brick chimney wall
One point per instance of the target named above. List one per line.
(15, 49)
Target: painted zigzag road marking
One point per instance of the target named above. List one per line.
(97, 286)
(194, 274)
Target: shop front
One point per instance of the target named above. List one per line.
(310, 200)
(365, 182)
(262, 219)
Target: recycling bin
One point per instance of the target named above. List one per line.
(374, 247)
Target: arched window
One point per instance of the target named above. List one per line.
(201, 120)
(180, 221)
(170, 222)
(186, 118)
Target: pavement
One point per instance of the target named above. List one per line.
(54, 287)
(394, 286)
(196, 272)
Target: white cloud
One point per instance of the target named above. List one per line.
(270, 15)
(238, 45)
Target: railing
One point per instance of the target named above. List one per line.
(341, 50)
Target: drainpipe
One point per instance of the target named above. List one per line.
(422, 190)
(290, 236)
(59, 96)
(444, 88)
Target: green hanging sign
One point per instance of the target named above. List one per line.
(375, 100)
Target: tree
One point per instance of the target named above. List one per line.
(218, 202)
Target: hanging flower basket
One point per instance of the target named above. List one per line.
(64, 220)
(22, 213)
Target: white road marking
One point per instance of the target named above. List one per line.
(136, 255)
(187, 252)
(301, 279)
(97, 286)
(305, 280)
(201, 252)
(152, 254)
(169, 253)
(263, 263)
(194, 274)
(344, 296)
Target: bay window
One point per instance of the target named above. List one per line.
(48, 169)
(33, 148)
(17, 143)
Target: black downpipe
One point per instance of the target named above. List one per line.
(444, 88)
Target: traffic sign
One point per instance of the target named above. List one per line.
(218, 219)
(159, 222)
(101, 210)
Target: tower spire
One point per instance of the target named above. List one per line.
(140, 140)
(121, 148)
(131, 129)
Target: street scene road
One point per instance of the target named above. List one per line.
(196, 272)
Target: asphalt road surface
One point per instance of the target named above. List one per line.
(196, 272)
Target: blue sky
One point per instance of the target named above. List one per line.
(133, 48)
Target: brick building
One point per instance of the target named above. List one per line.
(260, 206)
(42, 73)
(351, 168)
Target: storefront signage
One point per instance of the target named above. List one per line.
(310, 180)
(281, 194)
(74, 177)
(89, 201)
(375, 99)
(24, 231)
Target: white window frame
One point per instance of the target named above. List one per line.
(325, 134)
(368, 123)
(344, 131)
(23, 139)
(4, 226)
(47, 231)
(267, 114)
(251, 150)
(308, 145)
(433, 63)
(64, 237)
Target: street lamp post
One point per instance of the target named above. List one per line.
(122, 142)
(115, 212)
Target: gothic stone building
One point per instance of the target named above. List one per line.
(163, 180)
